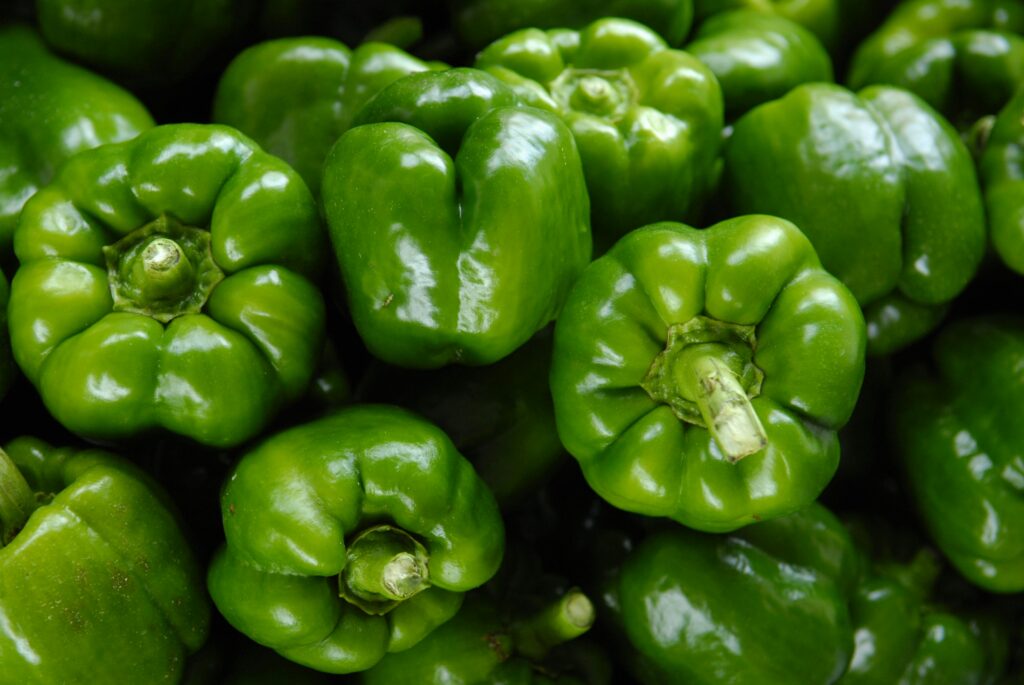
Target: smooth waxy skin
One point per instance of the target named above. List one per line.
(100, 585)
(758, 57)
(692, 604)
(293, 503)
(647, 120)
(882, 186)
(296, 96)
(49, 111)
(635, 451)
(956, 430)
(459, 219)
(216, 374)
(962, 57)
(499, 416)
(139, 40)
(1002, 175)
(481, 21)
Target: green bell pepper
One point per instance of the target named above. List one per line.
(165, 282)
(963, 57)
(6, 361)
(1002, 176)
(49, 111)
(480, 22)
(904, 636)
(459, 218)
(481, 646)
(957, 430)
(147, 41)
(373, 504)
(702, 375)
(500, 416)
(758, 57)
(296, 96)
(883, 187)
(764, 605)
(647, 119)
(97, 582)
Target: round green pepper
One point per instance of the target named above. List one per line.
(882, 186)
(373, 504)
(957, 430)
(97, 582)
(647, 119)
(459, 219)
(296, 96)
(49, 111)
(165, 282)
(702, 375)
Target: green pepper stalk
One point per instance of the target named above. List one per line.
(564, 619)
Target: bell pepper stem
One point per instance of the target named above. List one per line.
(385, 565)
(17, 500)
(558, 622)
(725, 407)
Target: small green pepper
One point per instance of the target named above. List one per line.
(957, 431)
(647, 119)
(166, 282)
(97, 582)
(1002, 175)
(702, 375)
(351, 537)
(883, 187)
(296, 96)
(459, 218)
(49, 111)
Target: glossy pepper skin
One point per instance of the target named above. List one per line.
(50, 110)
(882, 186)
(459, 219)
(955, 428)
(483, 646)
(647, 119)
(758, 57)
(144, 41)
(480, 22)
(100, 584)
(963, 57)
(905, 635)
(736, 327)
(296, 96)
(764, 605)
(1002, 176)
(165, 283)
(500, 416)
(327, 499)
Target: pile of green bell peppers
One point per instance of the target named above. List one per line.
(518, 342)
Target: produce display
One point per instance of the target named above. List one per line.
(512, 342)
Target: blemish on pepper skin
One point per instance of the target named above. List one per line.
(496, 646)
(388, 300)
(231, 508)
(756, 517)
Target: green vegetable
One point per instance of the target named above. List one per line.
(882, 186)
(372, 504)
(647, 120)
(962, 57)
(165, 283)
(764, 605)
(480, 646)
(758, 57)
(481, 21)
(499, 416)
(957, 430)
(459, 219)
(1002, 175)
(6, 361)
(702, 375)
(296, 96)
(149, 41)
(50, 110)
(97, 582)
